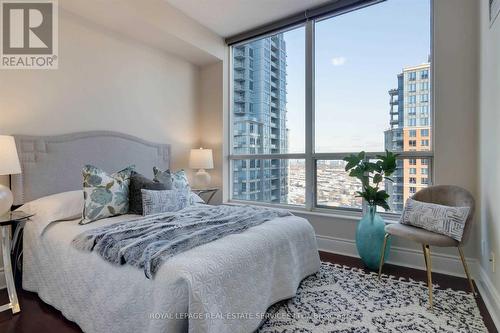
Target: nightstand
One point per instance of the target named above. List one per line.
(9, 221)
(209, 191)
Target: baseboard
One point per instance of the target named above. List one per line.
(441, 263)
(490, 295)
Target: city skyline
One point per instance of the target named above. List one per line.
(269, 104)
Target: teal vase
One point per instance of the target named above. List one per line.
(370, 238)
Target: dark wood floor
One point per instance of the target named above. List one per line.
(38, 317)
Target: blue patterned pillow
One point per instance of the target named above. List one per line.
(178, 179)
(155, 202)
(105, 195)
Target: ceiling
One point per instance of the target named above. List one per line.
(230, 17)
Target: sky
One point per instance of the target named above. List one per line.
(357, 57)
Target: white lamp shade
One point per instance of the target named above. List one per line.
(201, 159)
(9, 160)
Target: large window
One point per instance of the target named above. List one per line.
(305, 98)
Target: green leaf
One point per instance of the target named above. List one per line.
(377, 178)
(352, 161)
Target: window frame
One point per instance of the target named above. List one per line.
(310, 156)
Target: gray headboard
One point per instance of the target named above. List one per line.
(53, 164)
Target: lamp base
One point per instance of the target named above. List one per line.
(202, 179)
(6, 199)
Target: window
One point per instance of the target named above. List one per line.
(424, 132)
(413, 190)
(295, 147)
(425, 143)
(424, 121)
(424, 171)
(424, 109)
(424, 181)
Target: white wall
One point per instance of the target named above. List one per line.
(105, 82)
(489, 153)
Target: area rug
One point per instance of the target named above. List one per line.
(341, 299)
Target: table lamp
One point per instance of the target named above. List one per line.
(9, 165)
(201, 159)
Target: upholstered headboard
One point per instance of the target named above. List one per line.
(53, 164)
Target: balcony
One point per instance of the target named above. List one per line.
(239, 87)
(239, 76)
(240, 99)
(238, 53)
(239, 65)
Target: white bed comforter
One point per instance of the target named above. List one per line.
(223, 286)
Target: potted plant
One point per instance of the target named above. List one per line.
(370, 230)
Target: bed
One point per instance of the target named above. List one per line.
(222, 286)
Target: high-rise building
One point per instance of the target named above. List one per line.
(259, 121)
(410, 130)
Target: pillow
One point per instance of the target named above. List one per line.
(105, 195)
(164, 177)
(155, 202)
(445, 220)
(62, 206)
(178, 180)
(137, 183)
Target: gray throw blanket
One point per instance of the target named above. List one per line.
(149, 241)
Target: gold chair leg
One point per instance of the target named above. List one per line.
(382, 254)
(466, 268)
(428, 265)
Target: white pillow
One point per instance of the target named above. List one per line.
(63, 206)
(445, 220)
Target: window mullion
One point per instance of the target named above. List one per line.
(309, 115)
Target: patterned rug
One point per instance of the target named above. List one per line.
(343, 300)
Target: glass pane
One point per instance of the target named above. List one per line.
(334, 186)
(269, 95)
(269, 180)
(412, 175)
(372, 79)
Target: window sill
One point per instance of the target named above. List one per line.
(322, 212)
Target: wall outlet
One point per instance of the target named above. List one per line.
(492, 261)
